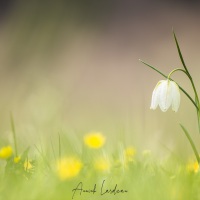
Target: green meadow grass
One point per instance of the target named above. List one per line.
(143, 176)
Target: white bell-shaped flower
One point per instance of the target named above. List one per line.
(165, 94)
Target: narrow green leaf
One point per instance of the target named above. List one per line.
(190, 77)
(191, 143)
(180, 54)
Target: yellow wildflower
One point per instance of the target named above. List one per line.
(94, 140)
(16, 159)
(193, 167)
(6, 152)
(68, 168)
(102, 164)
(129, 153)
(27, 165)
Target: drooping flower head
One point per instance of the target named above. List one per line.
(166, 94)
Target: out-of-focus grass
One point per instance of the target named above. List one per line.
(53, 170)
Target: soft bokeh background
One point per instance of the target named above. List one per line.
(73, 67)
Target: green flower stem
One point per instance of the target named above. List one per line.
(191, 143)
(185, 67)
(190, 98)
(190, 77)
(195, 92)
(177, 69)
(198, 117)
(197, 102)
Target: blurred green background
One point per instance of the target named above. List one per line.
(73, 66)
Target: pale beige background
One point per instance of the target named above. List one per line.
(74, 68)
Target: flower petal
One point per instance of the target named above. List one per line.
(165, 96)
(176, 96)
(155, 96)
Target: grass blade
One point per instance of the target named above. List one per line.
(191, 143)
(59, 146)
(53, 150)
(180, 54)
(14, 133)
(44, 157)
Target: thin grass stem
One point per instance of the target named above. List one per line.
(14, 133)
(59, 146)
(191, 143)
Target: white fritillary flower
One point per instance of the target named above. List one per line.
(165, 94)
